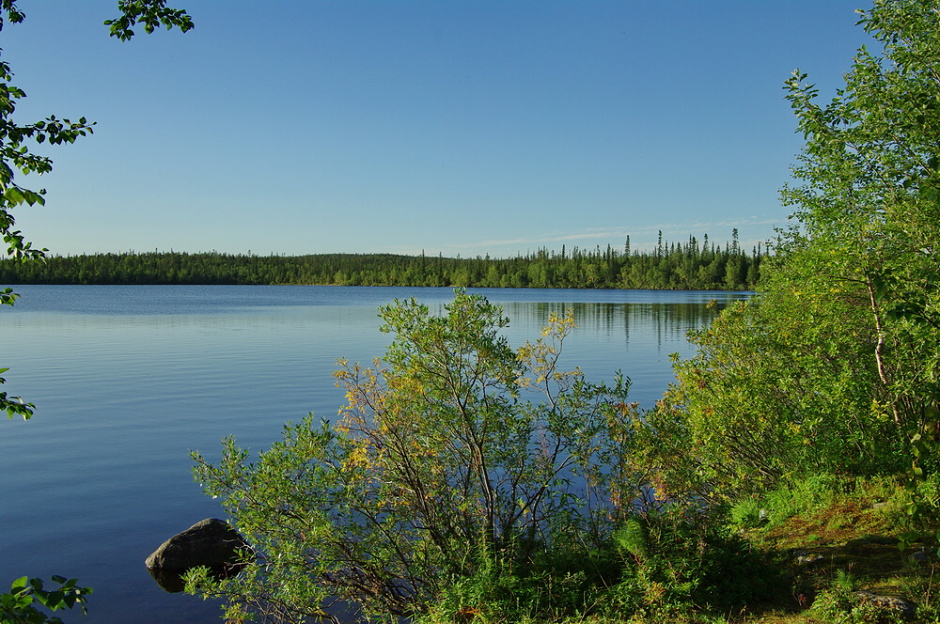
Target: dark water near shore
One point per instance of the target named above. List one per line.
(128, 379)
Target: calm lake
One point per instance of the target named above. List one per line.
(128, 379)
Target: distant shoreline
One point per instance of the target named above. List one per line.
(685, 266)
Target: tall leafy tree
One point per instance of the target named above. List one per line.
(869, 197)
(19, 141)
(834, 366)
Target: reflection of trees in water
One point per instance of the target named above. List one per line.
(668, 322)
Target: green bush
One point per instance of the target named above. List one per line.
(460, 471)
(748, 513)
(553, 586)
(801, 496)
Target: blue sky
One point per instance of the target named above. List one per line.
(463, 127)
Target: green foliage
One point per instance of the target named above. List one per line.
(448, 491)
(782, 387)
(868, 199)
(833, 367)
(683, 560)
(748, 513)
(15, 406)
(923, 589)
(8, 297)
(15, 155)
(630, 538)
(915, 510)
(455, 457)
(19, 605)
(844, 581)
(151, 13)
(555, 586)
(801, 496)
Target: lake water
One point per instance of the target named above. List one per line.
(127, 380)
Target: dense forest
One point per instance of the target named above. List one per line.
(691, 265)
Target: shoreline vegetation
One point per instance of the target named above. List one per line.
(691, 265)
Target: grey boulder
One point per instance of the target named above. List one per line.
(211, 542)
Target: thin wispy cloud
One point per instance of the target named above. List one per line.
(717, 229)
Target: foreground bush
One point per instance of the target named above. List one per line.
(456, 458)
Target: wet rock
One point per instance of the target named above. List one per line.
(211, 542)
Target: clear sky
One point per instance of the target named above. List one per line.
(463, 127)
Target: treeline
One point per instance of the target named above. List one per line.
(691, 265)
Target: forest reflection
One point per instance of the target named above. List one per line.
(658, 323)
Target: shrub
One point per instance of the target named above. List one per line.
(683, 560)
(460, 471)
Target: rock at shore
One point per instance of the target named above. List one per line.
(211, 542)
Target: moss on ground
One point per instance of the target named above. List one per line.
(854, 543)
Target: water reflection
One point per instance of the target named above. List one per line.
(666, 322)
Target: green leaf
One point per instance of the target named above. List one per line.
(14, 195)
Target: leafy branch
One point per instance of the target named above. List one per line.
(17, 141)
(18, 605)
